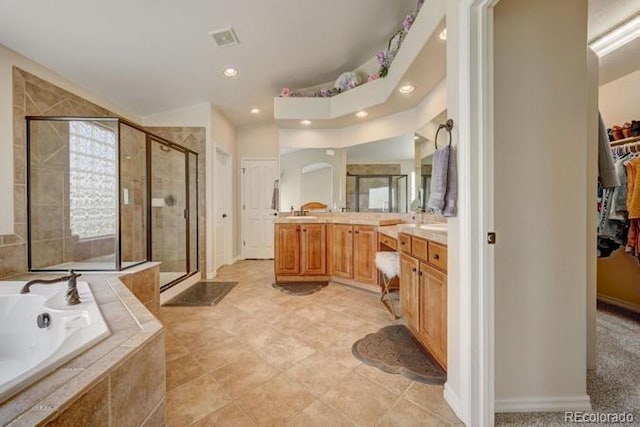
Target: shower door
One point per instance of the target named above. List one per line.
(169, 211)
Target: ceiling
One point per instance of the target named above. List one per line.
(150, 56)
(603, 16)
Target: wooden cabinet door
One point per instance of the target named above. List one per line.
(341, 248)
(313, 248)
(365, 243)
(409, 287)
(433, 312)
(287, 249)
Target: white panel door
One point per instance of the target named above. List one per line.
(222, 210)
(258, 177)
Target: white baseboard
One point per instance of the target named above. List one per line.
(619, 303)
(544, 404)
(453, 401)
(179, 288)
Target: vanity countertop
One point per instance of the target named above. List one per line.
(324, 218)
(436, 232)
(389, 230)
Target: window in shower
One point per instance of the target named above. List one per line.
(92, 180)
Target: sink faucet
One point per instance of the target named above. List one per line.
(71, 296)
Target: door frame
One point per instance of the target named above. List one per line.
(243, 162)
(227, 236)
(470, 88)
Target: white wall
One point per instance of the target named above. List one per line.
(258, 142)
(618, 100)
(541, 191)
(9, 59)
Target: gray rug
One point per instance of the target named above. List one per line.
(614, 385)
(202, 294)
(393, 349)
(299, 288)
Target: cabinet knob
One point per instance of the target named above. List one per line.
(414, 269)
(402, 243)
(304, 230)
(349, 231)
(436, 257)
(419, 273)
(357, 232)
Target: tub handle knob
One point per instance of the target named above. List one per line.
(43, 320)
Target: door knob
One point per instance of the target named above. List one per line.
(224, 215)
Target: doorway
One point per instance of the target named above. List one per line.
(258, 210)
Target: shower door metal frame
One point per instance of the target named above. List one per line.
(118, 249)
(390, 185)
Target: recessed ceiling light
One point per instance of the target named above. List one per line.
(255, 111)
(230, 72)
(443, 35)
(362, 114)
(407, 89)
(617, 38)
(305, 122)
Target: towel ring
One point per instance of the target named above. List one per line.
(448, 126)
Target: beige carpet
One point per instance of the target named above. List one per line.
(614, 386)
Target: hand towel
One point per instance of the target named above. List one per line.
(275, 197)
(452, 185)
(439, 172)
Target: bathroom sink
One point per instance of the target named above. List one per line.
(434, 227)
(301, 218)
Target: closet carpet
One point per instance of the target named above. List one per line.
(613, 385)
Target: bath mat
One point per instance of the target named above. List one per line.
(202, 294)
(299, 288)
(393, 349)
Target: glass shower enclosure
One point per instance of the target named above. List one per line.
(104, 194)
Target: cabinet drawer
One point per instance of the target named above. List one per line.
(419, 248)
(387, 241)
(438, 256)
(405, 243)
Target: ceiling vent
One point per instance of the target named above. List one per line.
(224, 37)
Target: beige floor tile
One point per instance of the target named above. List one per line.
(174, 349)
(207, 335)
(228, 416)
(213, 356)
(284, 352)
(244, 374)
(396, 383)
(275, 401)
(431, 398)
(319, 414)
(359, 399)
(194, 400)
(406, 414)
(318, 372)
(182, 370)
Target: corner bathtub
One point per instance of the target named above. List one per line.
(28, 352)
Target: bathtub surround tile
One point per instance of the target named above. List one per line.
(91, 409)
(13, 259)
(144, 372)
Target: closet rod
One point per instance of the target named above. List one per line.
(625, 141)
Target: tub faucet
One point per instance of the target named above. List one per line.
(71, 296)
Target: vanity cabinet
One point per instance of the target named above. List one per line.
(353, 252)
(423, 293)
(300, 249)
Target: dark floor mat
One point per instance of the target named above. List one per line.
(300, 288)
(393, 349)
(202, 294)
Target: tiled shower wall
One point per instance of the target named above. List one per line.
(33, 96)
